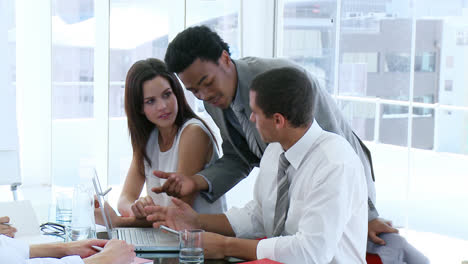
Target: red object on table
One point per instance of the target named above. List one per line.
(373, 259)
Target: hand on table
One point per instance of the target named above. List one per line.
(213, 245)
(83, 247)
(114, 252)
(138, 207)
(110, 212)
(179, 216)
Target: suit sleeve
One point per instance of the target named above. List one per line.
(227, 171)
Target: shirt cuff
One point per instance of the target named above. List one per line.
(20, 246)
(236, 218)
(266, 248)
(210, 187)
(244, 221)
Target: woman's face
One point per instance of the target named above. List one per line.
(159, 102)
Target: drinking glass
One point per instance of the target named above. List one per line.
(191, 246)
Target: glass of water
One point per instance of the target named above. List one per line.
(82, 224)
(191, 246)
(63, 209)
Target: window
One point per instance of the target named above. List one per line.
(9, 148)
(221, 16)
(462, 37)
(361, 116)
(371, 40)
(397, 62)
(138, 30)
(449, 60)
(425, 62)
(72, 59)
(369, 59)
(308, 37)
(448, 87)
(386, 29)
(73, 91)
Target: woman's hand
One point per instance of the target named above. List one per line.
(138, 207)
(116, 220)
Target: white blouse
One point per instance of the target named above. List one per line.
(167, 161)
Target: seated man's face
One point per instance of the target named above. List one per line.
(211, 82)
(265, 125)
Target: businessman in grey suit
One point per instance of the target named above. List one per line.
(203, 63)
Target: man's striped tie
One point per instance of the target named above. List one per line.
(282, 198)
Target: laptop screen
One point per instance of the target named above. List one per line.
(100, 198)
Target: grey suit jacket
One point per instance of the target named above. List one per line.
(238, 160)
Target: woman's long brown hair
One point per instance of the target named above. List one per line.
(139, 126)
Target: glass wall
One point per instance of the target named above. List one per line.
(307, 36)
(221, 16)
(400, 59)
(440, 119)
(399, 78)
(9, 156)
(74, 124)
(138, 30)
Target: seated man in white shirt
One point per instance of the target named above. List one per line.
(310, 197)
(13, 251)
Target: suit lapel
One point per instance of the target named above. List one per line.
(244, 79)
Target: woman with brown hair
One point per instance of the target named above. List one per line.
(166, 135)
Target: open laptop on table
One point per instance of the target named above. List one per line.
(144, 239)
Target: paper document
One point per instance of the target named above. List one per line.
(24, 219)
(138, 260)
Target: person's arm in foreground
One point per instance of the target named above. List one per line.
(114, 252)
(130, 203)
(224, 174)
(6, 229)
(195, 150)
(218, 241)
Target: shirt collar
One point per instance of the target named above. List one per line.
(298, 151)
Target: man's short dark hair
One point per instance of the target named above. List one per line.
(287, 91)
(192, 43)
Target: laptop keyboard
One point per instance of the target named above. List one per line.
(139, 236)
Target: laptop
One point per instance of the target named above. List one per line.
(143, 239)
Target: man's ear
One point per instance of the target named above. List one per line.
(279, 119)
(225, 58)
